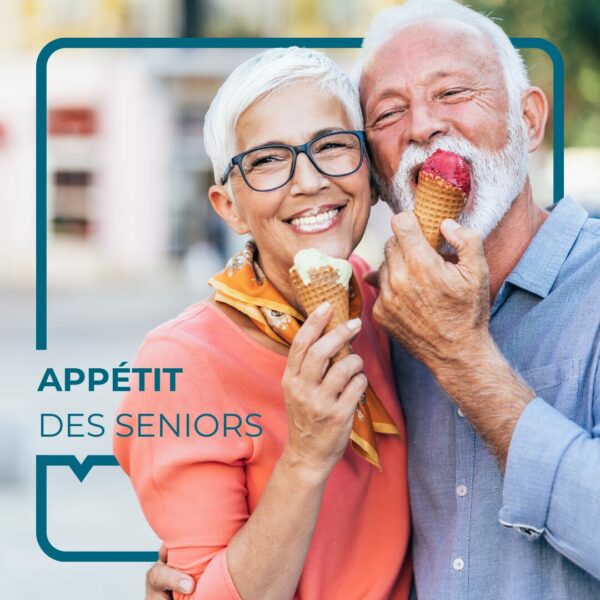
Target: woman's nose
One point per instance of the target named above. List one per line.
(307, 179)
(424, 123)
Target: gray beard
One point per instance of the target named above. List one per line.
(497, 178)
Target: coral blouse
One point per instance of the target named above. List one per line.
(196, 491)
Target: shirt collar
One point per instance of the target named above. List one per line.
(538, 268)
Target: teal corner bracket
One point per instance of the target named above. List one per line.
(80, 470)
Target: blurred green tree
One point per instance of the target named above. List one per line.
(574, 27)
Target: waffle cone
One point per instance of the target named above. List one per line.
(324, 287)
(435, 201)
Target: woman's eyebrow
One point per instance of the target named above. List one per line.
(309, 137)
(326, 130)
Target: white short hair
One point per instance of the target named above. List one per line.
(387, 23)
(260, 76)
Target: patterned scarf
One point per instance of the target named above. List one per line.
(244, 286)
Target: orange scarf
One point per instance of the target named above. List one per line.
(243, 285)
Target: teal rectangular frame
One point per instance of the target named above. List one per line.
(41, 282)
(80, 469)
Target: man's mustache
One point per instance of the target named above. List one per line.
(416, 154)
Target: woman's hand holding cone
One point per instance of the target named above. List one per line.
(321, 397)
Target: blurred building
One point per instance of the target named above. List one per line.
(127, 172)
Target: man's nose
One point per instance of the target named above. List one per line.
(307, 179)
(425, 124)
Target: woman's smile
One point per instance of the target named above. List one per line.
(316, 220)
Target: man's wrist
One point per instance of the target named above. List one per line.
(475, 351)
(477, 369)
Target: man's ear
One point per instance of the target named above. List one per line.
(227, 209)
(534, 106)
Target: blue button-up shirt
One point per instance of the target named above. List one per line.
(534, 533)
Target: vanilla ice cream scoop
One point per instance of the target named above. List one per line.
(311, 258)
(319, 278)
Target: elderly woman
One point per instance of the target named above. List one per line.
(270, 500)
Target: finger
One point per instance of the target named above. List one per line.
(466, 241)
(390, 251)
(307, 335)
(383, 273)
(162, 554)
(154, 594)
(353, 392)
(409, 236)
(162, 578)
(372, 278)
(384, 279)
(321, 352)
(340, 374)
(394, 262)
(390, 272)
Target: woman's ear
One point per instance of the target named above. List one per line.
(227, 209)
(534, 107)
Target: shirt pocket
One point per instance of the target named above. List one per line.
(558, 385)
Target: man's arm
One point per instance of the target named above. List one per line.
(439, 312)
(488, 392)
(551, 485)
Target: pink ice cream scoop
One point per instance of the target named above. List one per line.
(442, 190)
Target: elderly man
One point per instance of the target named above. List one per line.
(497, 360)
(498, 375)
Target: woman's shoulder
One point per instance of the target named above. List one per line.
(192, 315)
(194, 331)
(208, 334)
(198, 323)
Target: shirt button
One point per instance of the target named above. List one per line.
(458, 564)
(461, 490)
(460, 413)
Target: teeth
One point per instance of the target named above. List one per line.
(309, 223)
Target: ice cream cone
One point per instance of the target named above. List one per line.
(323, 285)
(436, 200)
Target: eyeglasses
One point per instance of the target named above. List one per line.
(269, 167)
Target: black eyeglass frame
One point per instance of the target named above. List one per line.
(295, 150)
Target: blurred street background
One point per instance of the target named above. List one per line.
(131, 236)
